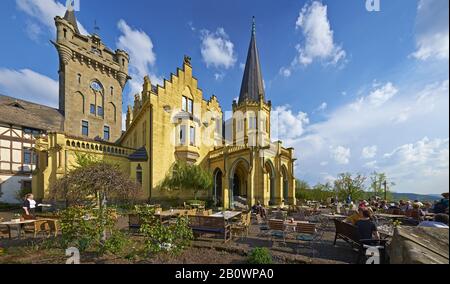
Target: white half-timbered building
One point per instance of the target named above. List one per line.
(21, 122)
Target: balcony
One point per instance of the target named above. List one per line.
(189, 154)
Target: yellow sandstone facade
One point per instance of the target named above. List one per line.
(167, 123)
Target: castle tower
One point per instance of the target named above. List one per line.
(251, 114)
(92, 79)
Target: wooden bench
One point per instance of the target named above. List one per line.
(350, 234)
(347, 232)
(207, 224)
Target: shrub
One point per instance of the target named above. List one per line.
(84, 228)
(173, 238)
(115, 243)
(260, 256)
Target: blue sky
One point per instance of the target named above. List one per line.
(353, 90)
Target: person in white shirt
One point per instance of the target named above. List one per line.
(29, 206)
(440, 221)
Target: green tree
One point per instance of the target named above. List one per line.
(377, 182)
(94, 182)
(347, 185)
(302, 189)
(183, 176)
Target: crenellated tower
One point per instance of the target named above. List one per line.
(92, 78)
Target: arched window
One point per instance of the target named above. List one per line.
(139, 174)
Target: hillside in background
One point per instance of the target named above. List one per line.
(414, 196)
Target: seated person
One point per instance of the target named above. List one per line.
(366, 227)
(355, 217)
(260, 210)
(440, 221)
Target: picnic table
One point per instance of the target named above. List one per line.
(18, 225)
(227, 215)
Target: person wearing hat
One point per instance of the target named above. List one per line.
(442, 206)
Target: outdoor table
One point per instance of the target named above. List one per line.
(292, 226)
(391, 216)
(18, 225)
(337, 216)
(170, 213)
(227, 215)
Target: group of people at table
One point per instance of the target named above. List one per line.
(365, 217)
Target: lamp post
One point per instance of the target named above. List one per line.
(385, 190)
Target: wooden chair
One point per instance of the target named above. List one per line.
(4, 231)
(37, 227)
(277, 230)
(134, 222)
(243, 225)
(307, 234)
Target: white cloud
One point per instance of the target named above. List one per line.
(377, 97)
(424, 111)
(42, 13)
(420, 162)
(30, 86)
(323, 106)
(432, 38)
(286, 72)
(369, 152)
(319, 37)
(219, 76)
(142, 57)
(217, 49)
(286, 125)
(380, 96)
(340, 154)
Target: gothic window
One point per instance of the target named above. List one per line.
(100, 111)
(184, 104)
(112, 91)
(144, 133)
(92, 109)
(190, 106)
(139, 174)
(85, 128)
(96, 86)
(79, 79)
(106, 133)
(252, 122)
(182, 140)
(192, 136)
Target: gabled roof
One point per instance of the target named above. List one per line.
(70, 17)
(19, 112)
(252, 84)
(139, 156)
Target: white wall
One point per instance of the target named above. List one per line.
(10, 185)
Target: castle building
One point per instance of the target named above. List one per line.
(168, 123)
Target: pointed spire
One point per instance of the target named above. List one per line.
(252, 84)
(70, 17)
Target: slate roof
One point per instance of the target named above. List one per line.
(252, 84)
(19, 112)
(70, 17)
(139, 156)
